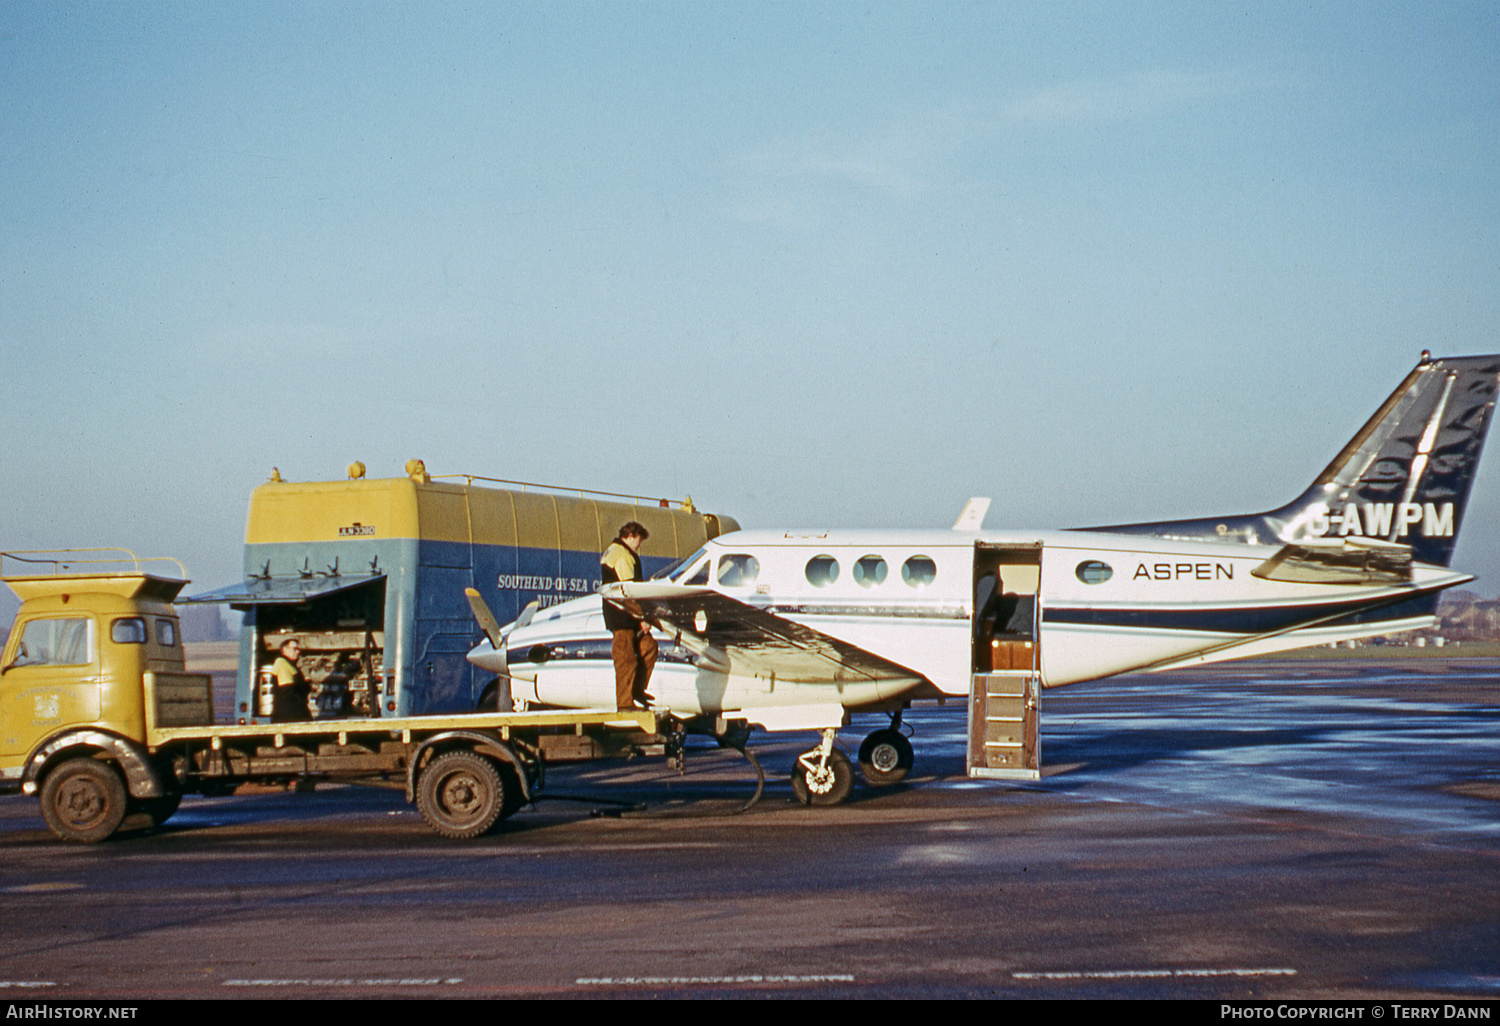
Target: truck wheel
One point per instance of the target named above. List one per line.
(460, 794)
(515, 798)
(157, 810)
(830, 787)
(83, 800)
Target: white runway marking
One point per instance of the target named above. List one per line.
(1149, 974)
(24, 984)
(350, 982)
(657, 981)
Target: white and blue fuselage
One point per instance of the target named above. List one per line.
(1104, 604)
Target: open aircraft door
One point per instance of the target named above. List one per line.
(1007, 684)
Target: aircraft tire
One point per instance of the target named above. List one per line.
(885, 758)
(832, 787)
(461, 794)
(84, 800)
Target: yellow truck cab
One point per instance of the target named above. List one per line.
(72, 707)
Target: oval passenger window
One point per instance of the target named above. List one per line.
(919, 571)
(869, 571)
(822, 571)
(1091, 571)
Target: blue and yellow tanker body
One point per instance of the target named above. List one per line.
(369, 577)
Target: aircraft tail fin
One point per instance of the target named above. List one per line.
(1404, 477)
(972, 517)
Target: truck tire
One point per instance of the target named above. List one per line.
(515, 798)
(158, 810)
(84, 800)
(461, 794)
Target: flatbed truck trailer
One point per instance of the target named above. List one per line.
(100, 720)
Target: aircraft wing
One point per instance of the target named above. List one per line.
(729, 635)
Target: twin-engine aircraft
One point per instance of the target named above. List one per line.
(796, 630)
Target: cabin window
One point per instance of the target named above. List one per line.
(738, 570)
(698, 576)
(129, 631)
(869, 571)
(919, 571)
(1092, 571)
(55, 643)
(166, 633)
(822, 571)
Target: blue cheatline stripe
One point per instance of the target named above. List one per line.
(1241, 620)
(600, 650)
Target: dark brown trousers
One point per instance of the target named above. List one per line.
(635, 656)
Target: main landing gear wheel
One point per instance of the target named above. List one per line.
(461, 794)
(84, 800)
(885, 757)
(829, 784)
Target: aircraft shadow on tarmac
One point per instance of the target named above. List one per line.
(1107, 752)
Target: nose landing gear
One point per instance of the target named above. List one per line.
(824, 775)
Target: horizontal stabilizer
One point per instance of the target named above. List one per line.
(1347, 561)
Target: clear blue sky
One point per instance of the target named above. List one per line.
(814, 264)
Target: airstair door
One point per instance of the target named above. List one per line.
(1006, 689)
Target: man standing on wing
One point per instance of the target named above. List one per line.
(634, 648)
